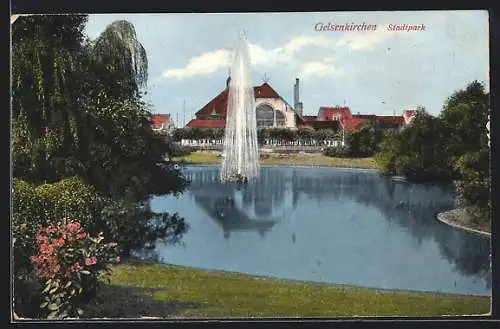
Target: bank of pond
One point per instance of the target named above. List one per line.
(143, 289)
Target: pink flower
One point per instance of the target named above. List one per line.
(90, 261)
(75, 267)
(42, 239)
(81, 235)
(58, 242)
(46, 248)
(73, 227)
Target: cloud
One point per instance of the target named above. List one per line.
(365, 40)
(204, 64)
(298, 43)
(319, 69)
(288, 54)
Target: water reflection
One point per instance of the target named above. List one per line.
(239, 207)
(300, 199)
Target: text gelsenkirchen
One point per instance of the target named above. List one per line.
(345, 27)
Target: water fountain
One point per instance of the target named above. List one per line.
(241, 153)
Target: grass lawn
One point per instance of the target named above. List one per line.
(155, 290)
(293, 160)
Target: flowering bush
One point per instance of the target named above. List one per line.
(70, 263)
(43, 205)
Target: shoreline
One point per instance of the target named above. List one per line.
(142, 288)
(280, 280)
(303, 166)
(451, 218)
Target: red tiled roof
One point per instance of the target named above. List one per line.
(206, 123)
(365, 116)
(265, 91)
(160, 119)
(326, 113)
(354, 123)
(309, 118)
(324, 124)
(391, 120)
(219, 103)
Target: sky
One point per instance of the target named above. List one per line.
(380, 71)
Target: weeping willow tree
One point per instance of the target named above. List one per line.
(120, 60)
(77, 107)
(44, 79)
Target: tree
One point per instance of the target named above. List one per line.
(389, 151)
(119, 60)
(464, 119)
(46, 80)
(77, 109)
(365, 141)
(416, 152)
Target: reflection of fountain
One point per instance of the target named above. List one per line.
(227, 215)
(241, 152)
(219, 201)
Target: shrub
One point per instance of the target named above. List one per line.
(70, 263)
(180, 150)
(48, 204)
(337, 152)
(127, 223)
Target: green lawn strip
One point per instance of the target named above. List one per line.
(292, 160)
(222, 294)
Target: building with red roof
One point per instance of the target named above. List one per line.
(272, 111)
(162, 123)
(343, 115)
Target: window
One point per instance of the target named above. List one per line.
(280, 119)
(265, 116)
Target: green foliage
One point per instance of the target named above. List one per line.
(77, 112)
(337, 152)
(473, 189)
(305, 135)
(365, 141)
(453, 146)
(70, 263)
(119, 59)
(77, 109)
(362, 143)
(135, 227)
(45, 85)
(120, 221)
(48, 204)
(389, 152)
(464, 119)
(416, 151)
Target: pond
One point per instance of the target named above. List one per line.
(326, 225)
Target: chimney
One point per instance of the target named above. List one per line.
(296, 100)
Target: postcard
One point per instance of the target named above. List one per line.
(251, 165)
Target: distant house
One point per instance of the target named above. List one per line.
(272, 111)
(350, 122)
(162, 123)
